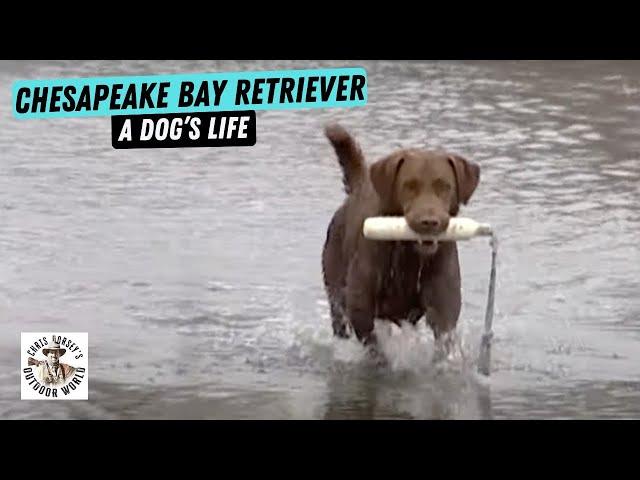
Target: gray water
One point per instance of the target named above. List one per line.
(196, 272)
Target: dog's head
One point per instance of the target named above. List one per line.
(426, 187)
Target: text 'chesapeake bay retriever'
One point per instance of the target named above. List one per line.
(393, 280)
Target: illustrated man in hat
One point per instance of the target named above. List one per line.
(52, 372)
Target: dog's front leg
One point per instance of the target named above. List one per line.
(361, 284)
(440, 293)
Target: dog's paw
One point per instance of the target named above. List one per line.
(449, 348)
(376, 356)
(341, 329)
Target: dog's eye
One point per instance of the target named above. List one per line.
(441, 187)
(411, 185)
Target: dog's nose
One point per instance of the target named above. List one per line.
(430, 223)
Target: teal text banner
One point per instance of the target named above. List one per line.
(192, 92)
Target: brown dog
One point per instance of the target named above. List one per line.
(367, 279)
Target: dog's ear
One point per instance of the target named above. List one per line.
(383, 175)
(467, 177)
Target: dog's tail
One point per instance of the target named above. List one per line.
(349, 155)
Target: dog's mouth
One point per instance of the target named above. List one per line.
(427, 247)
